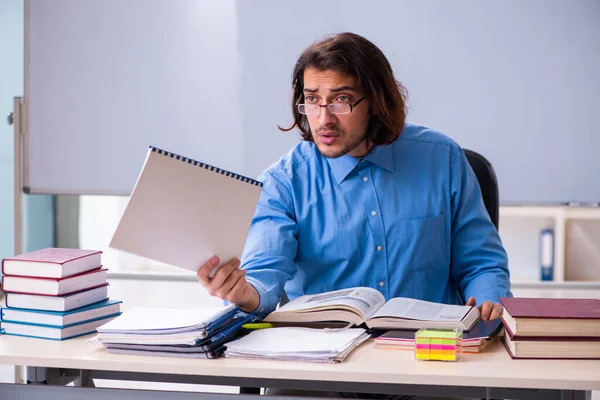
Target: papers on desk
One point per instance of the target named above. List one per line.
(148, 321)
(176, 332)
(474, 341)
(297, 344)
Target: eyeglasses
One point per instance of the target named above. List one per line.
(334, 108)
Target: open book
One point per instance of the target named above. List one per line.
(365, 305)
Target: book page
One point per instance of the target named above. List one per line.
(365, 300)
(400, 307)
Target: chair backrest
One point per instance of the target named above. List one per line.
(486, 176)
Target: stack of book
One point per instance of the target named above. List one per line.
(473, 341)
(552, 328)
(174, 332)
(55, 293)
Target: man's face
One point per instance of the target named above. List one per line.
(336, 134)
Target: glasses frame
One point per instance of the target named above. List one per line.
(352, 107)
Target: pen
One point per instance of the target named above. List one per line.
(258, 325)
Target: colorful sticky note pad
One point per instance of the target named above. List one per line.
(438, 344)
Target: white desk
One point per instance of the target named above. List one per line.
(365, 370)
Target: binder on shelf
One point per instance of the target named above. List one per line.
(182, 212)
(547, 254)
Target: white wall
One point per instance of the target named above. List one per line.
(514, 80)
(11, 85)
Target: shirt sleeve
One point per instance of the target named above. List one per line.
(272, 243)
(479, 261)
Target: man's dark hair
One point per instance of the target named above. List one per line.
(356, 56)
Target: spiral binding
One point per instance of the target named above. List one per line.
(221, 322)
(226, 327)
(229, 332)
(207, 166)
(216, 353)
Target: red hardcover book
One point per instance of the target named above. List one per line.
(545, 317)
(54, 286)
(52, 262)
(552, 347)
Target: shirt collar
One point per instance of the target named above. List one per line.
(382, 156)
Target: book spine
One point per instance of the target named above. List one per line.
(207, 166)
(547, 255)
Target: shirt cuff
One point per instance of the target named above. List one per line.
(264, 303)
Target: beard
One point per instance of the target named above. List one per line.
(328, 152)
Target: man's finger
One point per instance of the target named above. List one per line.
(223, 273)
(471, 301)
(229, 283)
(496, 311)
(204, 271)
(236, 294)
(486, 309)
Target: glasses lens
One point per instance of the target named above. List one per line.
(339, 108)
(308, 109)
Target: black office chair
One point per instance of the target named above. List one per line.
(489, 191)
(487, 182)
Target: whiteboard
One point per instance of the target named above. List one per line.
(514, 80)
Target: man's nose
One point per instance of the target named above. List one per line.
(326, 117)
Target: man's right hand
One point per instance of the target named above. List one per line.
(229, 283)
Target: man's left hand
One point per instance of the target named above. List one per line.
(489, 310)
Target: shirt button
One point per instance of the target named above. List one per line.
(373, 213)
(379, 248)
(381, 284)
(366, 179)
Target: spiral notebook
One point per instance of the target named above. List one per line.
(182, 212)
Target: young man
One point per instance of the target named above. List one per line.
(365, 199)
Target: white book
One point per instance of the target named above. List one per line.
(57, 303)
(182, 212)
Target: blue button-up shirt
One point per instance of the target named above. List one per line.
(407, 219)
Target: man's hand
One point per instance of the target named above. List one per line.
(488, 309)
(228, 283)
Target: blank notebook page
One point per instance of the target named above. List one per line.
(182, 212)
